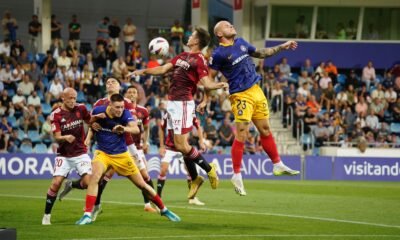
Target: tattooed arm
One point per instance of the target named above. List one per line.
(268, 52)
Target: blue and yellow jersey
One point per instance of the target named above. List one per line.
(107, 141)
(235, 63)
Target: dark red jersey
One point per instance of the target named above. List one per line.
(169, 131)
(128, 106)
(70, 123)
(142, 116)
(188, 69)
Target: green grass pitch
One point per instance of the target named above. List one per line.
(271, 210)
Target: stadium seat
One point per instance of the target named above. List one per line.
(395, 127)
(41, 118)
(81, 97)
(13, 121)
(26, 148)
(11, 92)
(40, 95)
(40, 148)
(153, 149)
(40, 58)
(89, 106)
(341, 78)
(46, 108)
(34, 136)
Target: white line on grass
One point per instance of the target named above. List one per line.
(229, 211)
(246, 236)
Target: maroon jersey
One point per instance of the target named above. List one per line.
(128, 106)
(169, 136)
(188, 69)
(70, 123)
(142, 116)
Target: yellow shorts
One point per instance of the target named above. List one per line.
(122, 163)
(249, 104)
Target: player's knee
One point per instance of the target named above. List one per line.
(265, 131)
(241, 135)
(55, 185)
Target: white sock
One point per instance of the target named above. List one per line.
(279, 164)
(88, 214)
(147, 204)
(237, 175)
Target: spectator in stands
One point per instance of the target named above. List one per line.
(5, 51)
(74, 77)
(310, 120)
(319, 71)
(114, 32)
(277, 97)
(62, 74)
(250, 146)
(368, 75)
(320, 32)
(5, 125)
(351, 31)
(119, 68)
(26, 86)
(226, 104)
(316, 91)
(378, 93)
(64, 60)
(30, 120)
(17, 74)
(3, 142)
(111, 56)
(55, 91)
(34, 28)
(10, 26)
(13, 141)
(128, 33)
(56, 27)
(352, 97)
(301, 106)
(6, 103)
(304, 78)
(131, 65)
(352, 79)
(34, 100)
(225, 133)
(307, 67)
(19, 101)
(100, 57)
(102, 32)
(332, 71)
(211, 131)
(361, 107)
(340, 31)
(303, 90)
(72, 52)
(321, 134)
(55, 48)
(49, 66)
(313, 104)
(74, 29)
(86, 77)
(341, 100)
(24, 61)
(390, 97)
(16, 50)
(284, 68)
(396, 111)
(328, 97)
(46, 133)
(388, 80)
(177, 37)
(372, 122)
(349, 118)
(325, 80)
(301, 28)
(36, 76)
(5, 77)
(378, 107)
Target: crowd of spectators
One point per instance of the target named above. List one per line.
(332, 107)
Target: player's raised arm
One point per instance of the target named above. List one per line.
(268, 52)
(153, 71)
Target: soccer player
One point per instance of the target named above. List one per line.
(140, 140)
(188, 69)
(169, 153)
(67, 126)
(112, 86)
(112, 152)
(233, 59)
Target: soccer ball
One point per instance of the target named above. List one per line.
(159, 46)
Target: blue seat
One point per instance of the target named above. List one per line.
(153, 149)
(81, 97)
(13, 121)
(341, 78)
(26, 148)
(307, 139)
(11, 92)
(41, 118)
(40, 148)
(46, 108)
(21, 134)
(34, 136)
(40, 95)
(395, 127)
(89, 106)
(40, 58)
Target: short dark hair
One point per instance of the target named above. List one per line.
(203, 36)
(132, 86)
(117, 98)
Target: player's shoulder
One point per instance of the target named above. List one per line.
(81, 106)
(100, 102)
(55, 113)
(99, 109)
(141, 109)
(128, 104)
